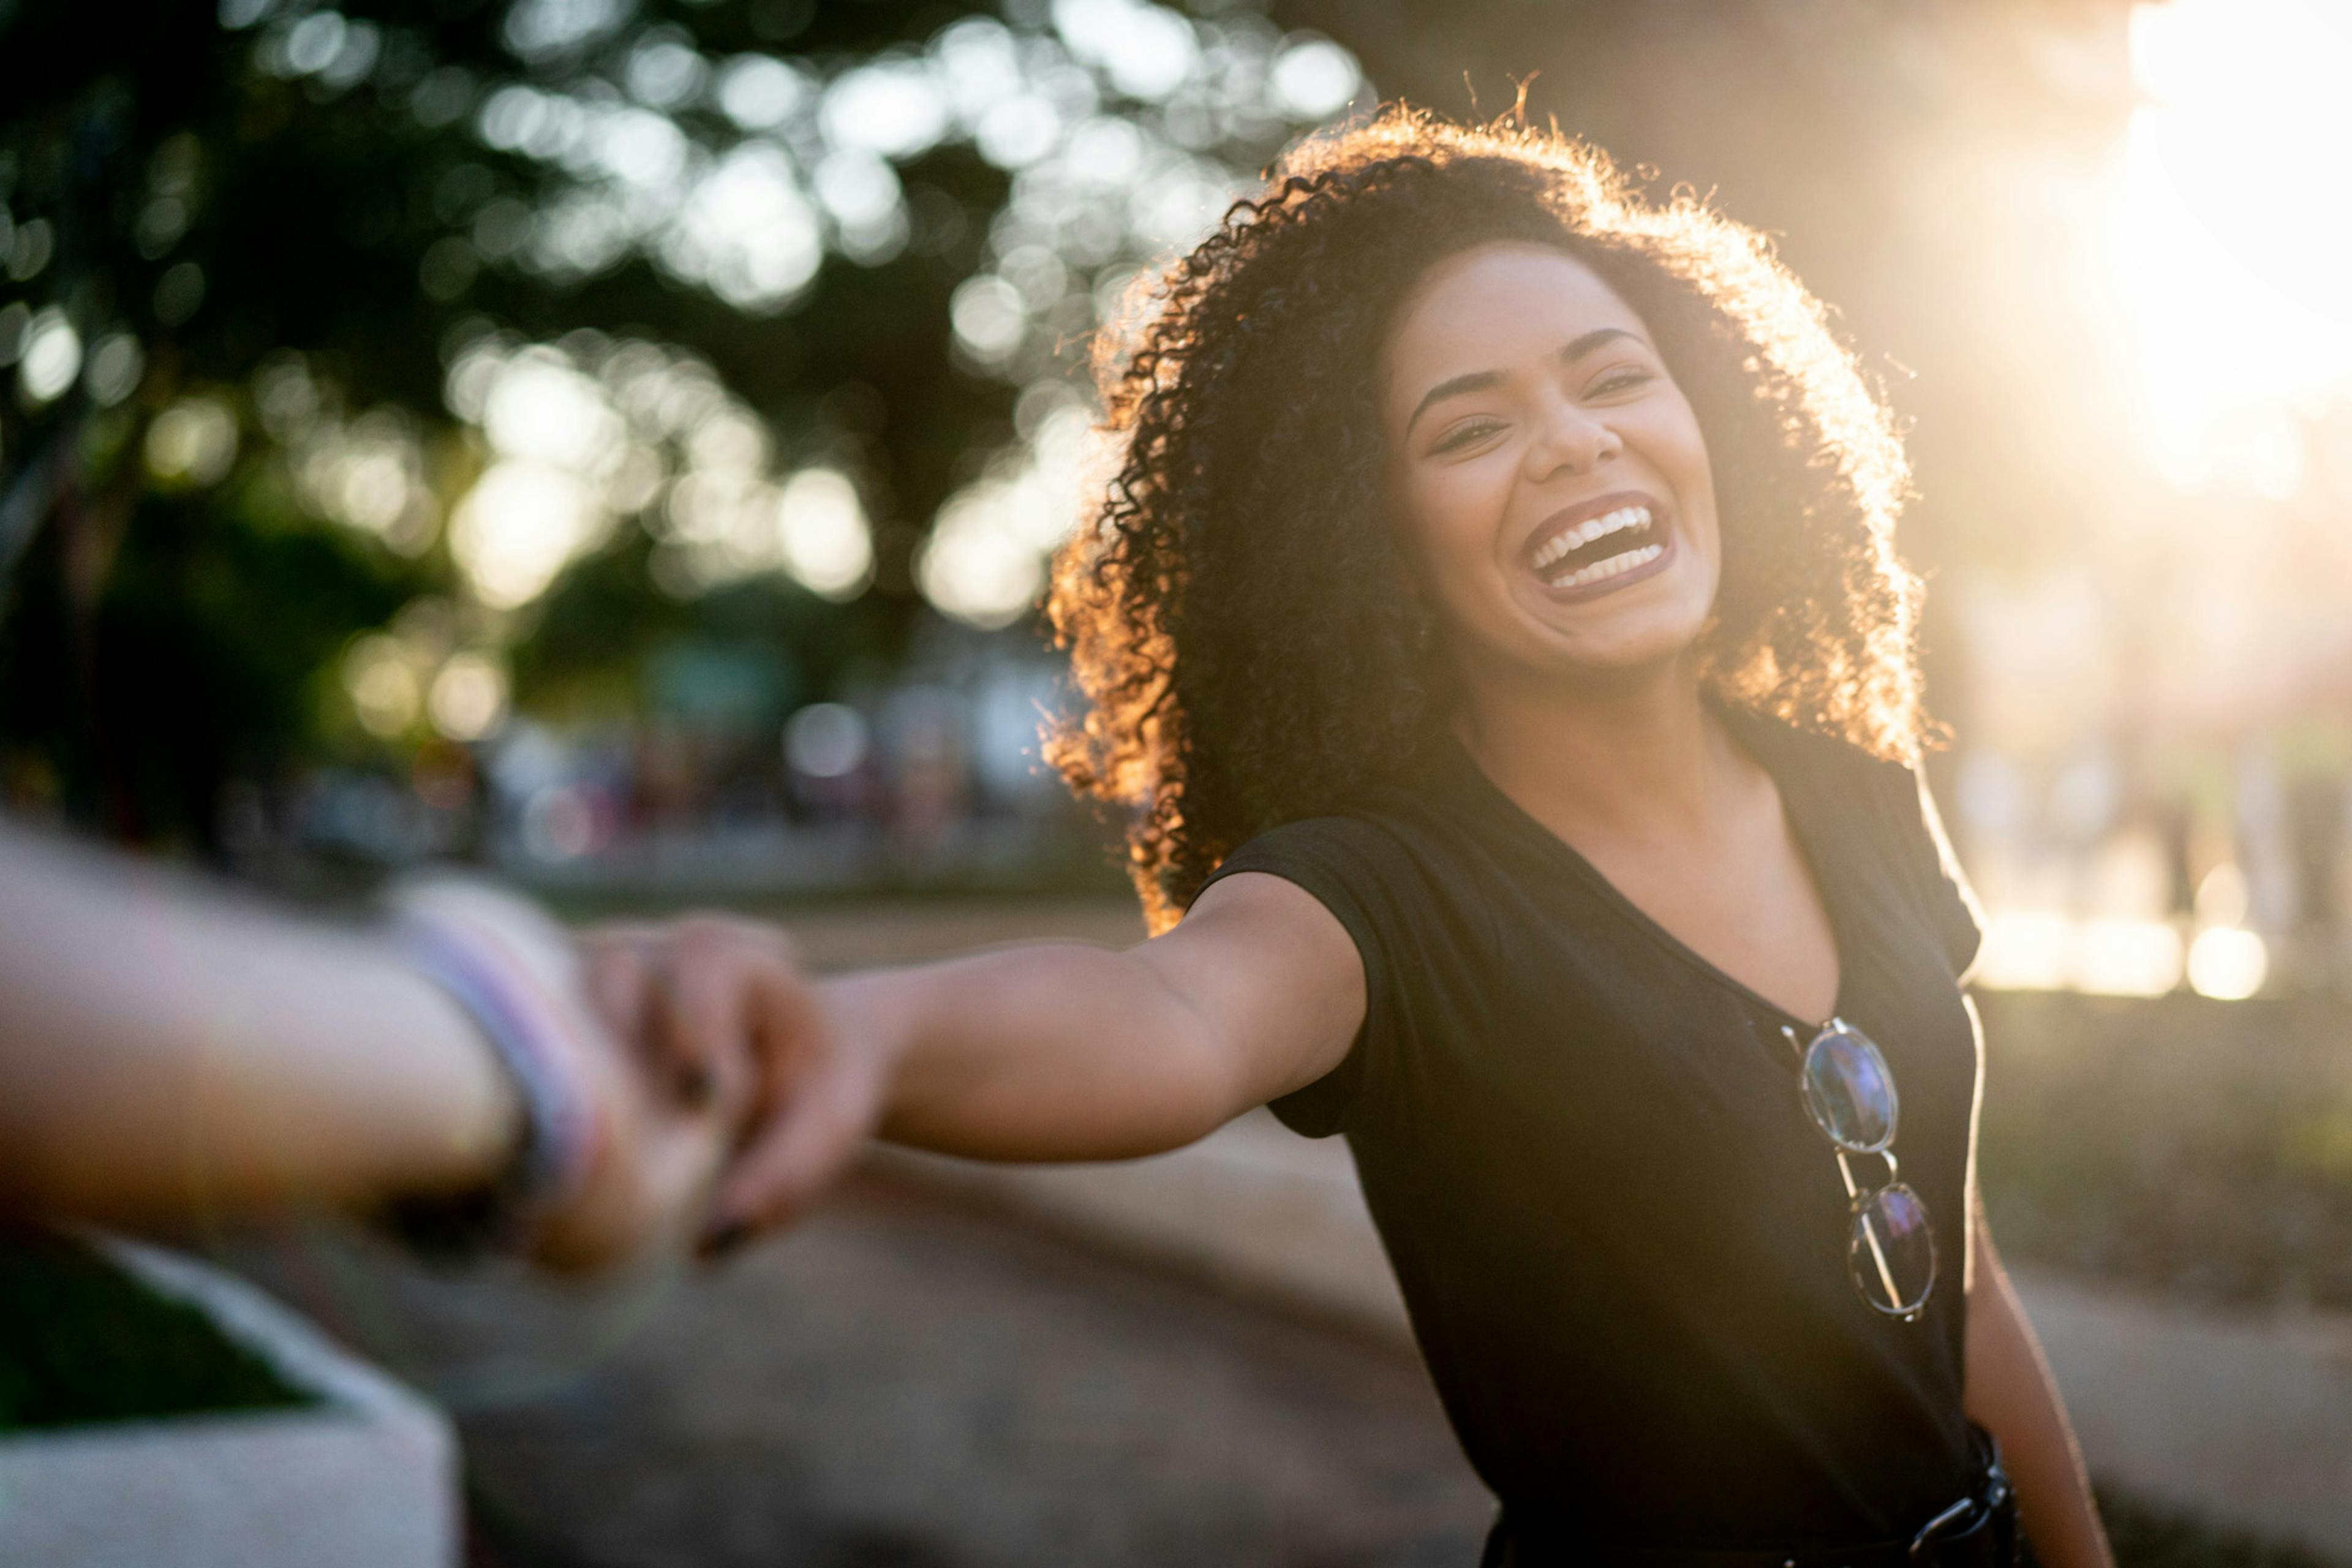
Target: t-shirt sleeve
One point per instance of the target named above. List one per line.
(1951, 902)
(1333, 860)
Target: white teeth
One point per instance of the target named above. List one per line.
(1613, 566)
(1589, 530)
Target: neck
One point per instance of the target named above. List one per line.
(1634, 757)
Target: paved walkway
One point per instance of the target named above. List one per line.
(2243, 1419)
(906, 1382)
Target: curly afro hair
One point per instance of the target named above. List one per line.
(1245, 638)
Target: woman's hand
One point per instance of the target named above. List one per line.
(722, 1006)
(662, 1138)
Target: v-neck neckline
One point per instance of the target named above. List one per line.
(1745, 729)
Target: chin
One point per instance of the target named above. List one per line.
(1639, 638)
(1618, 662)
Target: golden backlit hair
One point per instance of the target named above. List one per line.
(1244, 635)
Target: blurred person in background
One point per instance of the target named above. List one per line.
(1495, 622)
(172, 1054)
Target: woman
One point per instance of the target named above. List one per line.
(1495, 618)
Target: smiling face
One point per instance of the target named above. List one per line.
(1548, 476)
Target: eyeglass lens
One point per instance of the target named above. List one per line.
(1849, 1090)
(1892, 1252)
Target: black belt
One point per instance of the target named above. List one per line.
(1978, 1531)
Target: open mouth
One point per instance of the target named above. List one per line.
(1599, 547)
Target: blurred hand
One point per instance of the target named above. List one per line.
(724, 1008)
(636, 1129)
(665, 1136)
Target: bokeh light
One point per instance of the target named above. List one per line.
(521, 524)
(380, 679)
(2228, 964)
(1314, 77)
(468, 696)
(116, 364)
(50, 358)
(193, 442)
(822, 533)
(985, 560)
(825, 740)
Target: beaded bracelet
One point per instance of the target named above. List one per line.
(514, 973)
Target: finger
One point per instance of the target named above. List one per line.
(795, 1154)
(788, 1032)
(705, 1030)
(743, 1014)
(625, 973)
(679, 1160)
(620, 986)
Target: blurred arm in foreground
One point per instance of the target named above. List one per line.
(168, 1050)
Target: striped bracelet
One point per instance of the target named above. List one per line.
(514, 973)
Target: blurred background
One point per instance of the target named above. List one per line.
(616, 443)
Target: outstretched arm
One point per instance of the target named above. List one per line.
(1051, 1051)
(1066, 1052)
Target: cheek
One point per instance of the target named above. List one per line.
(1670, 439)
(1683, 450)
(1453, 516)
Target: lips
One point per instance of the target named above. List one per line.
(1600, 544)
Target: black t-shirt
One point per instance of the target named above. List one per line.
(1622, 1239)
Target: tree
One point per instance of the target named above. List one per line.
(316, 310)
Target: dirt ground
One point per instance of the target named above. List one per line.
(909, 1383)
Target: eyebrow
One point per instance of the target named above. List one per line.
(1479, 380)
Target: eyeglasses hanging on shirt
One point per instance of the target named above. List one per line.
(1850, 1094)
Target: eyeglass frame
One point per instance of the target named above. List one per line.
(1858, 1196)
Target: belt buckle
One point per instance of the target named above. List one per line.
(1941, 1524)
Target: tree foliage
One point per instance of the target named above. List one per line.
(287, 283)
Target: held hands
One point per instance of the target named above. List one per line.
(677, 1085)
(622, 1117)
(722, 1006)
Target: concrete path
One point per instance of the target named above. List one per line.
(906, 1382)
(2244, 1420)
(957, 1365)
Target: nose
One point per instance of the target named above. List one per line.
(1569, 440)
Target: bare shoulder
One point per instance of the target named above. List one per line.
(1275, 975)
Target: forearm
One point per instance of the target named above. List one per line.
(1050, 1052)
(168, 1050)
(2011, 1393)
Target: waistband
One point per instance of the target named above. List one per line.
(1978, 1530)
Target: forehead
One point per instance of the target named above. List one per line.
(1494, 307)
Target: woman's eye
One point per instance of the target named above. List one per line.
(1468, 434)
(1619, 381)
